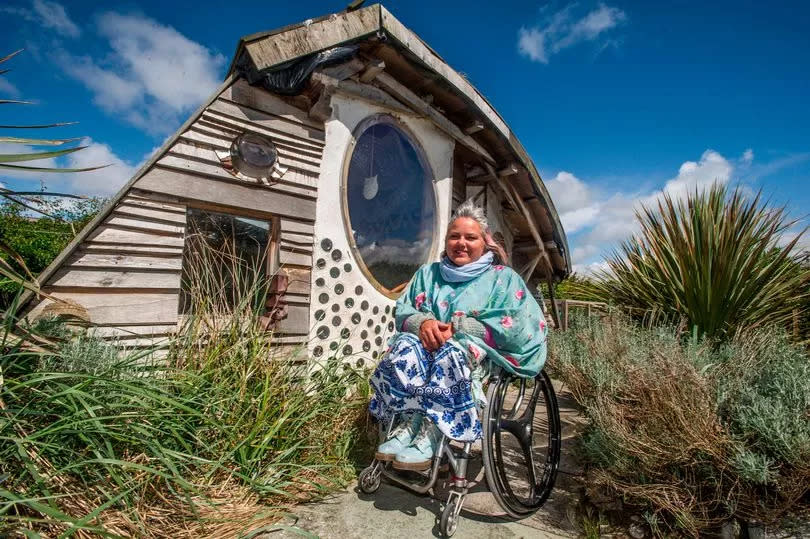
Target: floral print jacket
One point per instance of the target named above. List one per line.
(515, 328)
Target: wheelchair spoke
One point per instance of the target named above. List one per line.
(520, 429)
(518, 400)
(529, 456)
(510, 429)
(531, 406)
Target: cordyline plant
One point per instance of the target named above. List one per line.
(712, 260)
(30, 200)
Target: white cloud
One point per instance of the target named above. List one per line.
(561, 31)
(152, 74)
(803, 244)
(102, 182)
(47, 14)
(589, 270)
(53, 15)
(572, 199)
(763, 169)
(395, 250)
(747, 156)
(8, 89)
(692, 175)
(603, 222)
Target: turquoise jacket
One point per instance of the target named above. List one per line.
(514, 328)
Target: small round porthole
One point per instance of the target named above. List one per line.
(253, 155)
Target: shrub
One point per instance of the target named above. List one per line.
(213, 439)
(713, 260)
(693, 433)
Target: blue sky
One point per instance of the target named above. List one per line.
(614, 100)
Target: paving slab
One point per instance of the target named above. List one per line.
(395, 512)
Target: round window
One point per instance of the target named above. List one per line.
(253, 155)
(391, 204)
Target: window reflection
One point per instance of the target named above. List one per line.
(391, 204)
(224, 261)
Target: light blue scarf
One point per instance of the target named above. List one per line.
(459, 274)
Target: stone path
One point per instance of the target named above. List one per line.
(395, 512)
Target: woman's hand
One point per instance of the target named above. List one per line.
(434, 334)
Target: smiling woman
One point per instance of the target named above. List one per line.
(390, 203)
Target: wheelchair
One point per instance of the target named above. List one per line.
(520, 449)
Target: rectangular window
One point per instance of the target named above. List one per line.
(226, 262)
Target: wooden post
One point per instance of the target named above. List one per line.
(555, 313)
(565, 315)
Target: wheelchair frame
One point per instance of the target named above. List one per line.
(494, 424)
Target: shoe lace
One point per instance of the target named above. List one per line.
(405, 428)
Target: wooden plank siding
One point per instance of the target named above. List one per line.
(127, 271)
(191, 172)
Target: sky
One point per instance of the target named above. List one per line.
(616, 101)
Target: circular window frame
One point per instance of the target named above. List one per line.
(360, 128)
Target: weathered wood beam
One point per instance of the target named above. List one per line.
(368, 93)
(345, 70)
(531, 245)
(373, 68)
(322, 110)
(481, 178)
(475, 127)
(528, 269)
(510, 189)
(509, 170)
(398, 90)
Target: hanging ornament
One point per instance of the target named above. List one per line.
(370, 184)
(370, 187)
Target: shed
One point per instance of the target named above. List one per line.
(371, 140)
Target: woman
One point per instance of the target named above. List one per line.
(453, 315)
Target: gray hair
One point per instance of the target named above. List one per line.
(469, 210)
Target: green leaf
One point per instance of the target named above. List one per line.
(38, 141)
(43, 126)
(43, 169)
(42, 194)
(16, 157)
(10, 56)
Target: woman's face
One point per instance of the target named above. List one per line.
(464, 242)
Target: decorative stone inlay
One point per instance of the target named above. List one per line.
(353, 318)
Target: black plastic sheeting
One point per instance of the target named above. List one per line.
(290, 77)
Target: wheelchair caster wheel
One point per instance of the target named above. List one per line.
(369, 479)
(450, 516)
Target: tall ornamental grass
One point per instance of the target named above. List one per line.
(212, 440)
(690, 433)
(712, 259)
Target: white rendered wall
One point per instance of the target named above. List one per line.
(365, 331)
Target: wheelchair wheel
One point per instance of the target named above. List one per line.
(369, 480)
(521, 445)
(449, 521)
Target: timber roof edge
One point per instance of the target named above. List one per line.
(376, 19)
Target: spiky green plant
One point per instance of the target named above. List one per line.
(712, 260)
(209, 441)
(30, 200)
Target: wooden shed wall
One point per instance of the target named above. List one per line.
(127, 272)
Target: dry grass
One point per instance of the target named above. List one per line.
(213, 441)
(677, 428)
